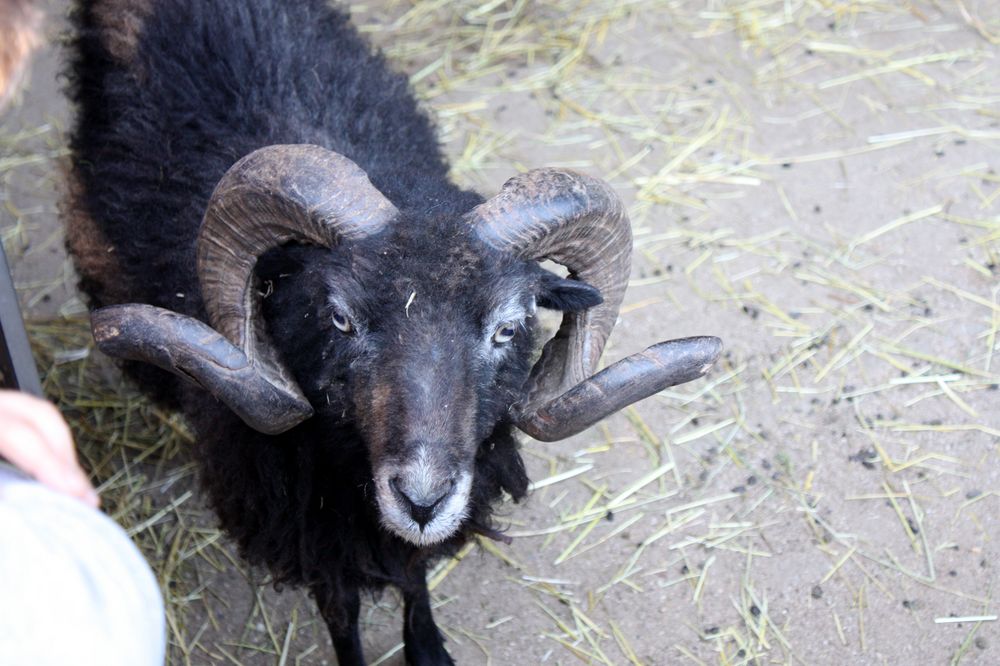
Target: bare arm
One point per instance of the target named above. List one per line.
(35, 438)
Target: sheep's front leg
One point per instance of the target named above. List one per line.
(340, 611)
(424, 644)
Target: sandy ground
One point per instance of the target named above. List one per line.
(815, 182)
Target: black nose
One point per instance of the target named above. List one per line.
(421, 505)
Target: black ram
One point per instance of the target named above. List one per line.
(258, 206)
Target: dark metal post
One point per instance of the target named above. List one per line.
(16, 363)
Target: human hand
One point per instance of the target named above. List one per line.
(19, 36)
(34, 437)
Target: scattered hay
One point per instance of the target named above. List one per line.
(820, 487)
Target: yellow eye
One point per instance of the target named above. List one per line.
(342, 323)
(505, 332)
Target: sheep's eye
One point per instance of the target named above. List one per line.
(342, 323)
(505, 332)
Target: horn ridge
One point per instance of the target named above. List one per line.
(191, 349)
(274, 195)
(631, 379)
(577, 221)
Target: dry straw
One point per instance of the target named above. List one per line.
(819, 488)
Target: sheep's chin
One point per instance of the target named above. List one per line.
(444, 524)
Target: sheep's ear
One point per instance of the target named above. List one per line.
(567, 295)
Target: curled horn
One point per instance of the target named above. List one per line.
(270, 197)
(580, 222)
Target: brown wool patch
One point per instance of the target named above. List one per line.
(94, 256)
(121, 26)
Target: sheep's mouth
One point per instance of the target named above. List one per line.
(423, 526)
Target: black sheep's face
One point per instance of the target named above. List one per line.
(423, 352)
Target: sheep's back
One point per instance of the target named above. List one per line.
(170, 94)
